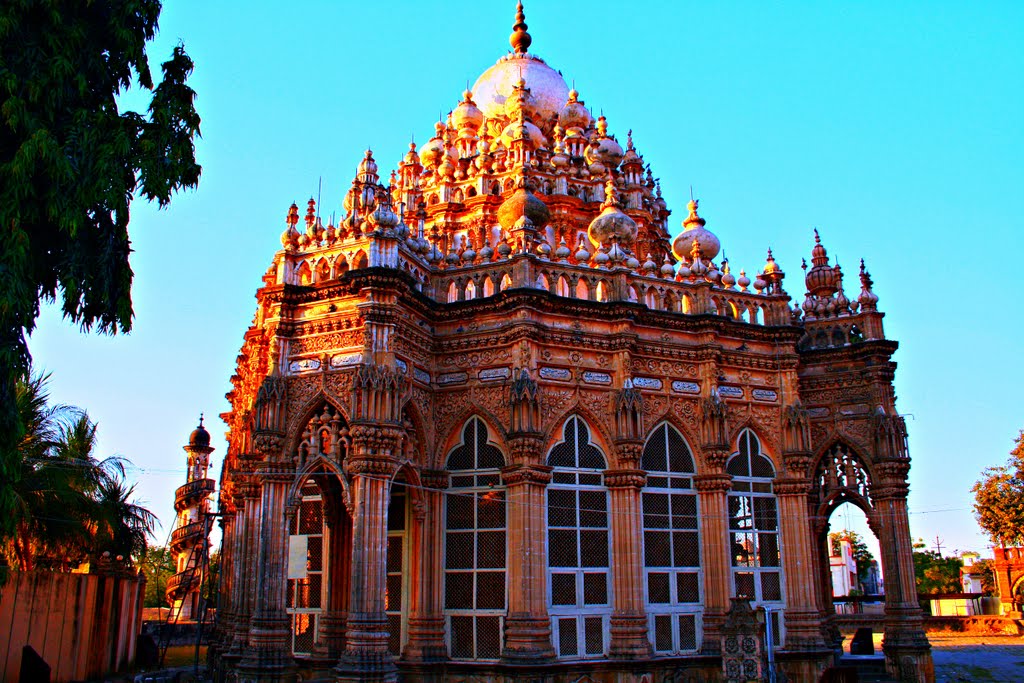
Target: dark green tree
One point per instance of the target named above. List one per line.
(935, 573)
(71, 162)
(158, 565)
(861, 553)
(999, 498)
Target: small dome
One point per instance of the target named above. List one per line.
(612, 223)
(694, 229)
(467, 115)
(512, 132)
(367, 168)
(574, 114)
(523, 203)
(200, 437)
(383, 217)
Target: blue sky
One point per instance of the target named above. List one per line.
(894, 128)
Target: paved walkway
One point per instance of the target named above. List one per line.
(977, 658)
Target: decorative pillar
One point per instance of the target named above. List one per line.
(527, 626)
(268, 656)
(907, 651)
(629, 619)
(370, 468)
(338, 552)
(248, 543)
(712, 496)
(426, 619)
(222, 636)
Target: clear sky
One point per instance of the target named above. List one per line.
(894, 128)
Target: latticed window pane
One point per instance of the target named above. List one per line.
(684, 511)
(394, 561)
(490, 550)
(458, 550)
(458, 590)
(595, 589)
(685, 549)
(491, 510)
(304, 596)
(771, 588)
(568, 640)
(460, 630)
(593, 509)
(768, 550)
(655, 506)
(593, 548)
(563, 589)
(594, 634)
(765, 515)
(658, 588)
(459, 514)
(393, 596)
(488, 637)
(315, 553)
(311, 518)
(395, 634)
(745, 585)
(663, 633)
(562, 548)
(657, 549)
(490, 590)
(687, 632)
(304, 630)
(687, 587)
(561, 508)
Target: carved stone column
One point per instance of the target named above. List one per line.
(268, 655)
(712, 494)
(527, 626)
(907, 651)
(366, 656)
(248, 542)
(426, 619)
(223, 635)
(803, 618)
(629, 618)
(334, 619)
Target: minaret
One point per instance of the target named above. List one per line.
(190, 538)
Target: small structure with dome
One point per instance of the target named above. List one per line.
(504, 422)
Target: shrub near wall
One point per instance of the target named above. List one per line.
(83, 625)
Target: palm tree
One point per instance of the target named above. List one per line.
(122, 526)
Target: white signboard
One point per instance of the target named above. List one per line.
(298, 547)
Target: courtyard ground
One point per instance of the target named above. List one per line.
(977, 658)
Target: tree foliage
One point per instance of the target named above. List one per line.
(935, 573)
(158, 566)
(861, 553)
(68, 506)
(70, 164)
(999, 498)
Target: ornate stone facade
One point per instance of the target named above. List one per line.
(497, 424)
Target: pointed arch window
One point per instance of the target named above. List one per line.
(475, 547)
(579, 545)
(671, 535)
(754, 529)
(306, 588)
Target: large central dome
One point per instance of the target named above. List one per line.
(548, 90)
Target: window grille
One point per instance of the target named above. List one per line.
(306, 597)
(579, 545)
(754, 529)
(475, 547)
(394, 587)
(671, 535)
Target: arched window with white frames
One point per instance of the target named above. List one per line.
(474, 548)
(579, 546)
(672, 584)
(754, 529)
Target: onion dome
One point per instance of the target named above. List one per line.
(523, 129)
(770, 266)
(649, 265)
(468, 254)
(582, 254)
(434, 149)
(574, 114)
(630, 156)
(523, 203)
(367, 172)
(543, 249)
(666, 268)
(697, 267)
(290, 236)
(383, 217)
(562, 252)
(743, 281)
(604, 149)
(693, 229)
(728, 279)
(486, 252)
(411, 158)
(759, 283)
(821, 278)
(199, 438)
(503, 247)
(602, 258)
(611, 223)
(868, 299)
(467, 116)
(452, 259)
(632, 262)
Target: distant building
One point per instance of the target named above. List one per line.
(970, 574)
(843, 567)
(190, 538)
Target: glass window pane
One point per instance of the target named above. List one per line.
(745, 585)
(490, 549)
(593, 548)
(563, 589)
(586, 479)
(563, 478)
(657, 482)
(458, 590)
(655, 507)
(591, 458)
(315, 553)
(568, 643)
(458, 550)
(463, 481)
(489, 457)
(488, 637)
(663, 632)
(561, 508)
(687, 632)
(595, 588)
(761, 466)
(392, 593)
(658, 588)
(562, 455)
(491, 510)
(685, 549)
(684, 511)
(654, 457)
(562, 548)
(740, 513)
(768, 550)
(771, 588)
(679, 458)
(687, 587)
(490, 590)
(743, 550)
(594, 635)
(461, 629)
(459, 511)
(593, 509)
(396, 509)
(461, 458)
(394, 559)
(765, 514)
(657, 549)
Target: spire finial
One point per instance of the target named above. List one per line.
(520, 39)
(200, 419)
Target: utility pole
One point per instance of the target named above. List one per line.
(938, 545)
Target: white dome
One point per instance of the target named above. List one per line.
(548, 90)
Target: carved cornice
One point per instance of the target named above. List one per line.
(622, 479)
(434, 479)
(792, 486)
(372, 467)
(539, 475)
(629, 451)
(710, 483)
